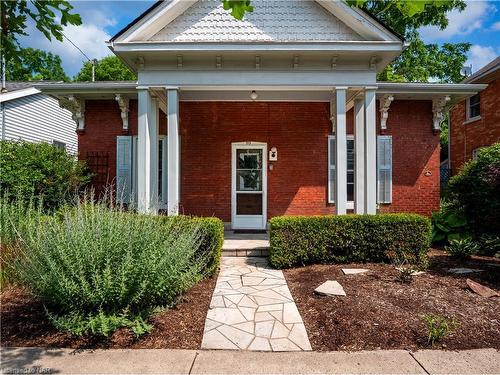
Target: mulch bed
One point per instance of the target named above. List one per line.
(23, 323)
(382, 313)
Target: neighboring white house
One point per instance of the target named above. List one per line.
(27, 114)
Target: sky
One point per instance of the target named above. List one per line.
(479, 25)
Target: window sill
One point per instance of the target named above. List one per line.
(473, 119)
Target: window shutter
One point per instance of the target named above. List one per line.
(123, 168)
(384, 169)
(331, 169)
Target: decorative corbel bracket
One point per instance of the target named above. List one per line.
(334, 62)
(123, 103)
(373, 63)
(333, 114)
(77, 108)
(385, 103)
(140, 62)
(438, 109)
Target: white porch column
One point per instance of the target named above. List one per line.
(359, 147)
(341, 152)
(370, 153)
(147, 151)
(173, 170)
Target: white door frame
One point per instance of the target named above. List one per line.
(253, 221)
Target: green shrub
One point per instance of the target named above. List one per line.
(97, 268)
(449, 224)
(489, 245)
(438, 327)
(299, 240)
(39, 170)
(462, 248)
(475, 190)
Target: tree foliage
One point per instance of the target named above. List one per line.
(110, 68)
(35, 64)
(49, 16)
(420, 61)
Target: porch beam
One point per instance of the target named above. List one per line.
(359, 149)
(147, 164)
(370, 153)
(340, 152)
(173, 157)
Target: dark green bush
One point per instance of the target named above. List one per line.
(212, 236)
(298, 240)
(462, 248)
(39, 170)
(97, 268)
(475, 190)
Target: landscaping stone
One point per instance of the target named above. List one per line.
(354, 271)
(482, 290)
(330, 288)
(462, 271)
(253, 309)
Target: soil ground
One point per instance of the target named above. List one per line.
(378, 312)
(381, 313)
(24, 323)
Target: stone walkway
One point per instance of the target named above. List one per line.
(252, 309)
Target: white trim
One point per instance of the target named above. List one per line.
(359, 158)
(340, 153)
(370, 153)
(5, 97)
(249, 221)
(173, 161)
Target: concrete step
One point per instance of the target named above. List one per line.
(245, 244)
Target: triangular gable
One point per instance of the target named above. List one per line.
(271, 21)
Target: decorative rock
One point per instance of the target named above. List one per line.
(482, 290)
(461, 271)
(330, 288)
(354, 271)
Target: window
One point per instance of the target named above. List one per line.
(475, 152)
(126, 169)
(58, 144)
(384, 170)
(473, 107)
(350, 170)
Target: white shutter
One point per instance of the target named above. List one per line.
(123, 168)
(331, 169)
(384, 169)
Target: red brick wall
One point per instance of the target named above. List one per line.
(415, 160)
(464, 138)
(298, 182)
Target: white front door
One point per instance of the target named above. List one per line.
(249, 185)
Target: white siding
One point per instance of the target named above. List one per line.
(38, 118)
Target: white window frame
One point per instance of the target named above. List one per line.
(163, 203)
(467, 110)
(331, 170)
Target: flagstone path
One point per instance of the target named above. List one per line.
(253, 309)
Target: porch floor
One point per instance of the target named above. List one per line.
(245, 244)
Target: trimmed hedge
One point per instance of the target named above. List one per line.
(300, 240)
(212, 237)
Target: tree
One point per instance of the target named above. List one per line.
(35, 64)
(49, 15)
(420, 61)
(110, 68)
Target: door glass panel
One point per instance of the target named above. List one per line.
(249, 184)
(249, 204)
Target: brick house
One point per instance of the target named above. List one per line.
(279, 114)
(475, 121)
